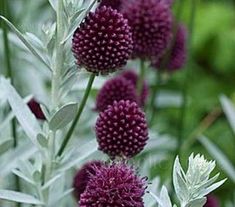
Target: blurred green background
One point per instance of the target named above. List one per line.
(209, 74)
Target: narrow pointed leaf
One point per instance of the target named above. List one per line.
(164, 196)
(22, 176)
(214, 186)
(197, 203)
(22, 112)
(53, 4)
(179, 183)
(158, 200)
(25, 41)
(219, 156)
(19, 197)
(229, 110)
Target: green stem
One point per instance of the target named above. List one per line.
(183, 111)
(80, 110)
(203, 126)
(10, 75)
(153, 104)
(140, 82)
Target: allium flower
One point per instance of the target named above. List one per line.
(121, 130)
(115, 89)
(169, 2)
(133, 77)
(212, 202)
(83, 175)
(103, 42)
(36, 109)
(151, 23)
(116, 185)
(178, 53)
(115, 4)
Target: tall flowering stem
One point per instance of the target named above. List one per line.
(153, 105)
(140, 82)
(80, 110)
(186, 78)
(9, 75)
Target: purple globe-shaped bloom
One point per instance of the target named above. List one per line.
(178, 54)
(115, 89)
(83, 175)
(212, 201)
(133, 77)
(103, 42)
(151, 23)
(116, 185)
(122, 130)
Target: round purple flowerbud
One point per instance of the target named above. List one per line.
(133, 77)
(35, 107)
(115, 185)
(83, 175)
(151, 23)
(122, 130)
(115, 4)
(115, 89)
(103, 42)
(178, 54)
(211, 202)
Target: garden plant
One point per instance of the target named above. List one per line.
(99, 104)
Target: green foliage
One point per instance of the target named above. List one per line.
(209, 73)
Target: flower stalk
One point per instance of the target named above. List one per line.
(153, 104)
(77, 118)
(140, 82)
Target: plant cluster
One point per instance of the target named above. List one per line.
(54, 139)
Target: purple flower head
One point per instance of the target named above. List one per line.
(114, 4)
(103, 42)
(83, 175)
(122, 130)
(133, 77)
(115, 89)
(212, 202)
(151, 23)
(178, 54)
(36, 109)
(115, 185)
